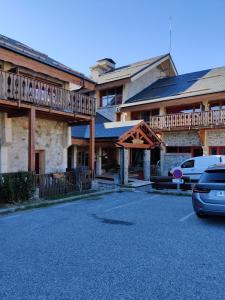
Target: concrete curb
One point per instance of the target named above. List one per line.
(171, 192)
(45, 203)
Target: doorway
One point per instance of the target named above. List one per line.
(39, 162)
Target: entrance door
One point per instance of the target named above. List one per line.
(197, 151)
(39, 162)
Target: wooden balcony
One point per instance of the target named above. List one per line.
(20, 91)
(187, 121)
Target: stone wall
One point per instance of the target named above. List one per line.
(52, 137)
(172, 160)
(216, 137)
(183, 138)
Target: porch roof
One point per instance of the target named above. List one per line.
(131, 134)
(103, 130)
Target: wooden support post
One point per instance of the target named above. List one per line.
(31, 139)
(92, 146)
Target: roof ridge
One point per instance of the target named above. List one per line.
(142, 62)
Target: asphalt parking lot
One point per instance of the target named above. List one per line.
(129, 245)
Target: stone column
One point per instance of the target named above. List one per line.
(3, 159)
(162, 163)
(99, 162)
(147, 164)
(5, 141)
(74, 157)
(92, 146)
(124, 166)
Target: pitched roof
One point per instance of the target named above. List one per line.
(181, 86)
(129, 70)
(20, 48)
(104, 130)
(100, 118)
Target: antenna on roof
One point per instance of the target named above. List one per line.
(170, 34)
(170, 41)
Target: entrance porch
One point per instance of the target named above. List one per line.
(124, 151)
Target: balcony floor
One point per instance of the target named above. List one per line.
(17, 109)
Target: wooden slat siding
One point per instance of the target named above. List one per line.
(20, 88)
(188, 120)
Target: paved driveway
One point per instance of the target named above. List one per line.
(129, 245)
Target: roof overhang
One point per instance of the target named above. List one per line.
(152, 102)
(25, 61)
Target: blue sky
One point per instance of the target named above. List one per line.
(79, 32)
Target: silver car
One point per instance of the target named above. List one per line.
(208, 196)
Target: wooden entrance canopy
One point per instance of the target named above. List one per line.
(139, 137)
(131, 134)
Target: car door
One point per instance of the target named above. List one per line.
(188, 168)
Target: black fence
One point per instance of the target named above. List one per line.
(61, 183)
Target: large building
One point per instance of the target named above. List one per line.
(38, 106)
(186, 112)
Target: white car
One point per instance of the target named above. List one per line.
(195, 166)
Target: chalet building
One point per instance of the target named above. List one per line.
(190, 116)
(186, 112)
(38, 106)
(114, 86)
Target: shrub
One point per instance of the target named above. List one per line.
(16, 187)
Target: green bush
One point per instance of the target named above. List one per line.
(16, 187)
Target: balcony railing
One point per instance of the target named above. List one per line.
(205, 119)
(23, 89)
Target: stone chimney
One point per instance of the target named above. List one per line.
(102, 66)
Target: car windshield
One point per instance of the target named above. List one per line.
(214, 176)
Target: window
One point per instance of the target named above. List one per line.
(194, 150)
(111, 97)
(217, 176)
(183, 109)
(144, 115)
(217, 105)
(217, 150)
(178, 149)
(188, 164)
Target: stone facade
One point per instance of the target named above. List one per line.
(52, 137)
(183, 138)
(171, 160)
(216, 137)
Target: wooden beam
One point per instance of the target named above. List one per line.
(92, 146)
(80, 142)
(133, 146)
(31, 139)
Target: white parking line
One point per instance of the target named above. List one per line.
(11, 217)
(131, 203)
(186, 217)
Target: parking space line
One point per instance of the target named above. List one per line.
(11, 216)
(186, 217)
(130, 203)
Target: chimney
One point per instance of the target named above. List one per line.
(102, 66)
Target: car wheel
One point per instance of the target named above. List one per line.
(200, 214)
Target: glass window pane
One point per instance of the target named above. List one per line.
(188, 164)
